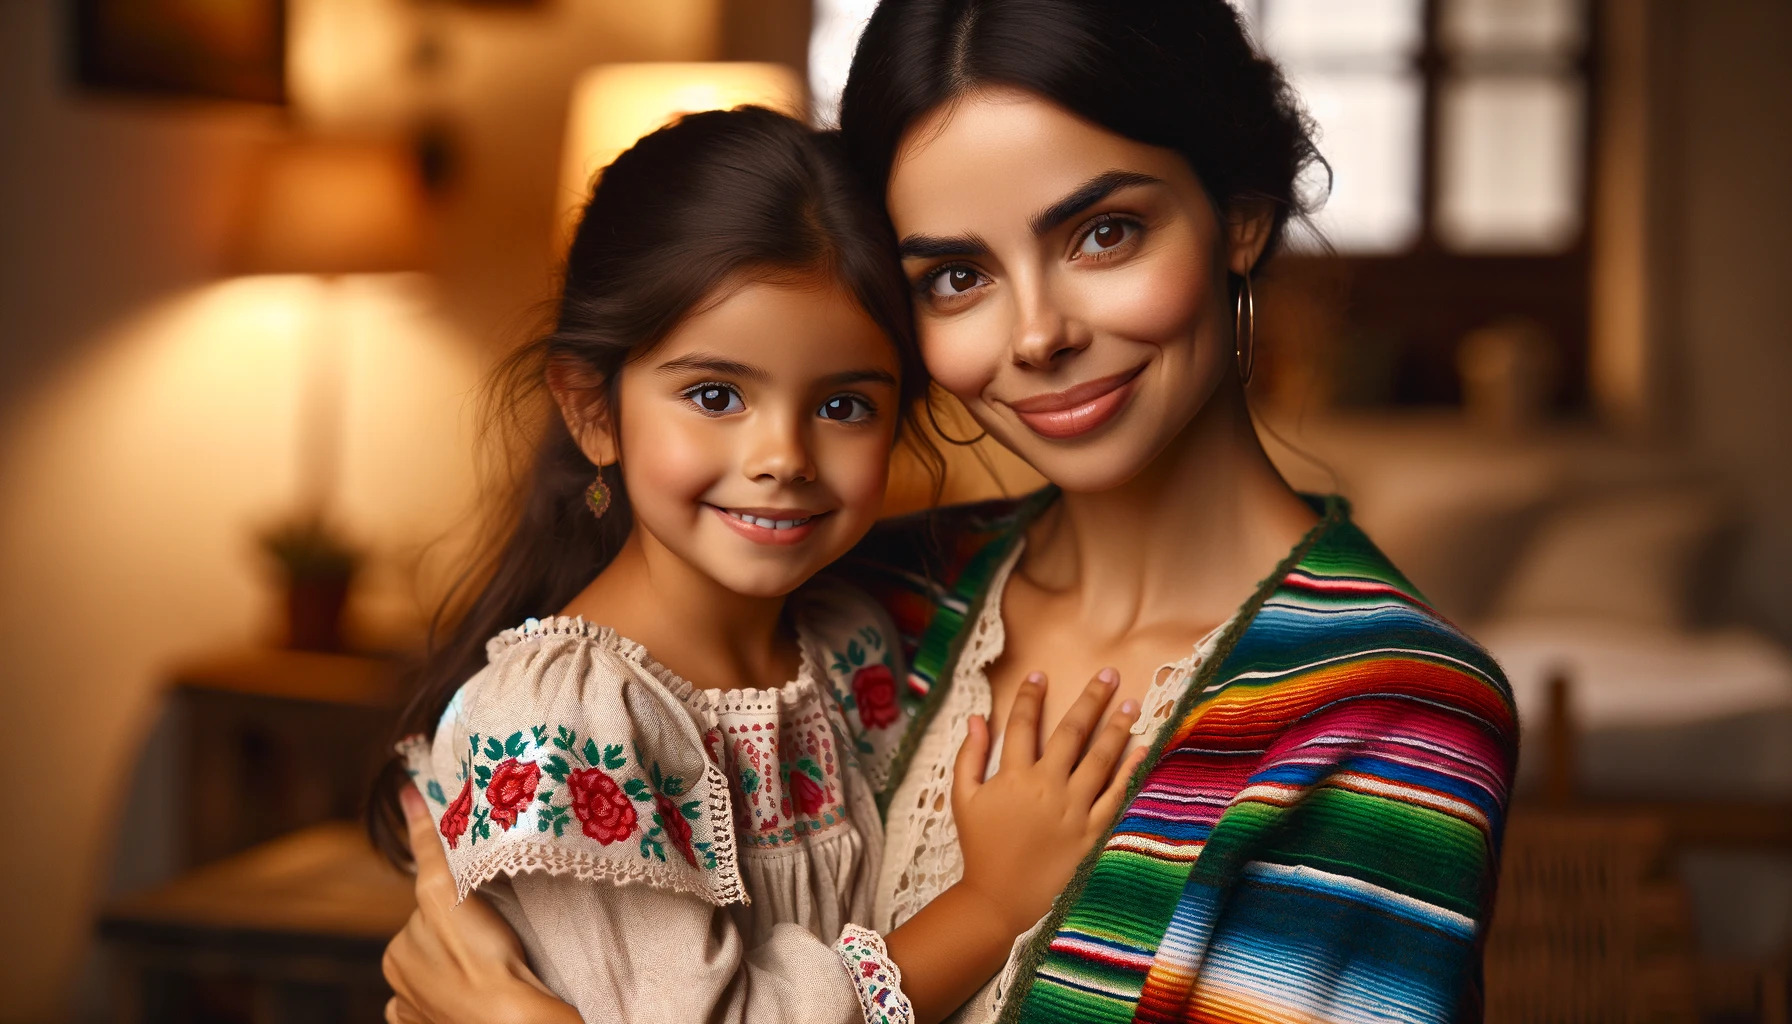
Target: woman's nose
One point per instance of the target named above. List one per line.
(1044, 335)
(778, 450)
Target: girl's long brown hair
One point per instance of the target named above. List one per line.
(689, 207)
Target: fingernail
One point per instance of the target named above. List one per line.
(1036, 678)
(1128, 707)
(1108, 676)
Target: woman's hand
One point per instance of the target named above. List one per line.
(458, 965)
(1025, 829)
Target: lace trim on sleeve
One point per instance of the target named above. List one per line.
(874, 975)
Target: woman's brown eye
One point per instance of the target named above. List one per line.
(1105, 236)
(954, 281)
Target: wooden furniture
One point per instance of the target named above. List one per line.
(290, 932)
(274, 740)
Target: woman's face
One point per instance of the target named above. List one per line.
(1070, 282)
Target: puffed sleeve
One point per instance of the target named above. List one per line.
(572, 753)
(857, 645)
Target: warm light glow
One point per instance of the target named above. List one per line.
(333, 207)
(615, 104)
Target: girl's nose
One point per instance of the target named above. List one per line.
(1044, 335)
(779, 451)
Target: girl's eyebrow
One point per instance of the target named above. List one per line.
(713, 364)
(861, 377)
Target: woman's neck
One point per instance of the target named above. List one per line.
(1183, 542)
(708, 634)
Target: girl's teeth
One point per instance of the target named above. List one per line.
(770, 524)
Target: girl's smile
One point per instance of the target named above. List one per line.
(770, 525)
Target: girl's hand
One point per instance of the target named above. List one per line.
(458, 965)
(1025, 830)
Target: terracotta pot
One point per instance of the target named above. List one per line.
(314, 608)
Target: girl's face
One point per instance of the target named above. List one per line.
(1070, 282)
(755, 440)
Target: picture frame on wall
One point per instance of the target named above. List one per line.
(200, 49)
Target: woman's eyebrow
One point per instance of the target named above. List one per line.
(929, 247)
(713, 364)
(1086, 195)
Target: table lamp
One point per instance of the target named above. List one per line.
(329, 209)
(613, 105)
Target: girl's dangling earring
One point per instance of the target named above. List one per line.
(1244, 331)
(597, 496)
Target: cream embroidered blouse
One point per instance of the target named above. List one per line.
(743, 822)
(922, 857)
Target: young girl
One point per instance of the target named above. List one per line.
(691, 834)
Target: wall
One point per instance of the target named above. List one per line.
(146, 413)
(1733, 159)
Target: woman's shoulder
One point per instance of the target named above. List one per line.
(574, 752)
(1342, 604)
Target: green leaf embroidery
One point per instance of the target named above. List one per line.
(592, 756)
(556, 767)
(637, 790)
(749, 780)
(540, 732)
(514, 745)
(483, 776)
(691, 810)
(559, 827)
(565, 739)
(855, 653)
(653, 772)
(474, 740)
(435, 792)
(873, 638)
(613, 758)
(809, 768)
(546, 796)
(840, 665)
(541, 824)
(494, 751)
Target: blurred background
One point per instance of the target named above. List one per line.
(255, 256)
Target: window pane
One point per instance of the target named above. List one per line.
(1369, 132)
(1301, 31)
(835, 34)
(1551, 27)
(1509, 162)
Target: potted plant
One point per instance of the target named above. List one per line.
(318, 565)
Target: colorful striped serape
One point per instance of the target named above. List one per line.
(1317, 838)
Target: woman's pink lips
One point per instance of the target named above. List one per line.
(1078, 410)
(765, 534)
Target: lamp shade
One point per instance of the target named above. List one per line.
(332, 207)
(614, 105)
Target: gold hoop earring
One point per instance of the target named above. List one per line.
(597, 496)
(1244, 332)
(937, 429)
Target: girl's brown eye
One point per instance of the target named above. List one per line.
(715, 399)
(1107, 235)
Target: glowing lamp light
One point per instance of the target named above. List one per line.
(614, 105)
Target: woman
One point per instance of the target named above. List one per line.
(1082, 191)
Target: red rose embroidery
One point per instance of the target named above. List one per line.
(874, 688)
(511, 789)
(604, 812)
(805, 792)
(678, 831)
(454, 819)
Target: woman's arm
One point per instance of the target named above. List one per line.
(452, 961)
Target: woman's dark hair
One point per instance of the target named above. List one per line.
(708, 200)
(1179, 74)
